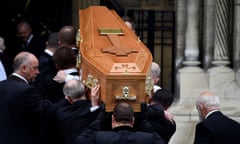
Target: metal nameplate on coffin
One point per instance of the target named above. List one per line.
(110, 31)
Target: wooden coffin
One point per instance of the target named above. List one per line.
(112, 54)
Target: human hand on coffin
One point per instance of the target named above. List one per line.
(95, 95)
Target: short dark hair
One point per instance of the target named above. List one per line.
(164, 97)
(64, 57)
(123, 112)
(53, 40)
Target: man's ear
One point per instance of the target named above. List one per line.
(69, 99)
(156, 80)
(200, 106)
(23, 68)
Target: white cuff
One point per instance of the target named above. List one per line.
(93, 108)
(71, 77)
(156, 88)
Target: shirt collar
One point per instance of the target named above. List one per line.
(208, 114)
(70, 70)
(48, 52)
(29, 39)
(21, 77)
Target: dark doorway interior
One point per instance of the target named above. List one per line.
(45, 16)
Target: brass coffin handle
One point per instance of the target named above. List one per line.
(90, 82)
(125, 95)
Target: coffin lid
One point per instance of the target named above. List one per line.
(109, 45)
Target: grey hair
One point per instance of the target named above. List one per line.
(155, 70)
(209, 100)
(20, 59)
(74, 89)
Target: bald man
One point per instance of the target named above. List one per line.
(214, 127)
(67, 38)
(20, 106)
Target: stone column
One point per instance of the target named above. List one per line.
(221, 78)
(180, 31)
(191, 72)
(236, 40)
(192, 33)
(221, 42)
(180, 8)
(236, 36)
(208, 32)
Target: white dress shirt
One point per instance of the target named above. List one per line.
(3, 75)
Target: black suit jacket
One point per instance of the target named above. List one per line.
(217, 129)
(164, 127)
(46, 67)
(36, 46)
(52, 89)
(119, 135)
(20, 109)
(74, 119)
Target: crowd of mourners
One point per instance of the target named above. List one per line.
(43, 101)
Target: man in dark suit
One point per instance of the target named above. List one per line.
(46, 64)
(75, 112)
(158, 116)
(67, 38)
(65, 60)
(29, 42)
(214, 127)
(20, 106)
(122, 130)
